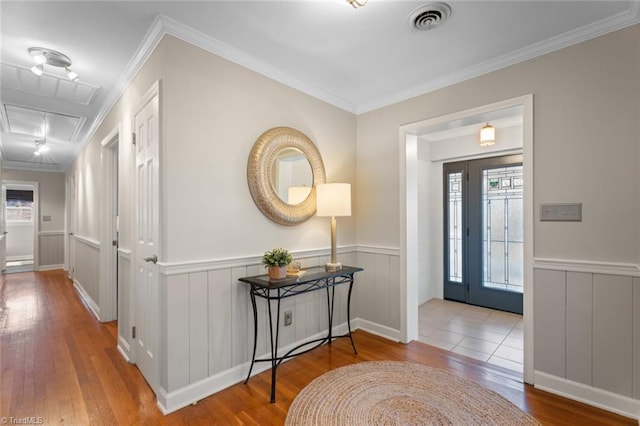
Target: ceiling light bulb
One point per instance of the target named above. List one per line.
(72, 75)
(40, 59)
(37, 70)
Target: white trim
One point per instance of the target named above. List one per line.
(124, 253)
(49, 267)
(600, 398)
(177, 268)
(88, 241)
(91, 304)
(108, 280)
(377, 329)
(124, 348)
(588, 266)
(388, 251)
(45, 233)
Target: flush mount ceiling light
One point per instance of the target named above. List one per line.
(429, 16)
(42, 56)
(487, 135)
(357, 3)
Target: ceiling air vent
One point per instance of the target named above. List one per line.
(429, 16)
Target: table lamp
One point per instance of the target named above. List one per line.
(333, 199)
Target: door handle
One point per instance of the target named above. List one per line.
(153, 259)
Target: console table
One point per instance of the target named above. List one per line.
(275, 290)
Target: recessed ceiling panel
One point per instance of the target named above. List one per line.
(31, 122)
(49, 85)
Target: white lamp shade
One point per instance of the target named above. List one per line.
(297, 194)
(333, 199)
(487, 135)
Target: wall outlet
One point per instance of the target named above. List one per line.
(288, 318)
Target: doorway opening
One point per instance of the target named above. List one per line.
(483, 232)
(21, 225)
(425, 147)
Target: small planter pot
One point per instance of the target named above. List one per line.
(277, 272)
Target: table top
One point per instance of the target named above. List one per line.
(311, 274)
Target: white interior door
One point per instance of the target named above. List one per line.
(147, 319)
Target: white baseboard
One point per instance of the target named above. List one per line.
(377, 329)
(93, 306)
(124, 349)
(49, 267)
(600, 398)
(168, 402)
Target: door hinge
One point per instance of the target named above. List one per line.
(467, 232)
(133, 138)
(114, 243)
(133, 332)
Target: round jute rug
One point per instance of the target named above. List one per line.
(400, 393)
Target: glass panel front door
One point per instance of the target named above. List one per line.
(483, 232)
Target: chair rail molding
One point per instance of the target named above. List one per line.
(588, 266)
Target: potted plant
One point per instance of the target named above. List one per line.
(276, 262)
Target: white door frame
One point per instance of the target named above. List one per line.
(35, 214)
(71, 214)
(108, 257)
(408, 150)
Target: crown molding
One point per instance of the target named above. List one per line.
(210, 44)
(163, 25)
(587, 32)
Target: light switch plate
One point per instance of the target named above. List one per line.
(571, 212)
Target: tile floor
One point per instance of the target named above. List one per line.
(487, 335)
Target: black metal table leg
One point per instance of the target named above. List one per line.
(274, 345)
(255, 331)
(353, 345)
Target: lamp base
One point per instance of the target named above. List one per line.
(333, 267)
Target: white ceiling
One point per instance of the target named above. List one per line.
(357, 59)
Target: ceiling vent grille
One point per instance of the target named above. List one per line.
(429, 16)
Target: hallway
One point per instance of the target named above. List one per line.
(60, 365)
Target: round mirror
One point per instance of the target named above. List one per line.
(284, 167)
(292, 176)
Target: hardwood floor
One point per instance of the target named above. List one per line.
(60, 365)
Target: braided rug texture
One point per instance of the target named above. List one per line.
(400, 393)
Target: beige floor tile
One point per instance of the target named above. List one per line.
(505, 363)
(478, 345)
(439, 343)
(471, 353)
(480, 333)
(512, 354)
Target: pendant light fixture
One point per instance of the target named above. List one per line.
(487, 135)
(42, 56)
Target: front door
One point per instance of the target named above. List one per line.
(483, 241)
(147, 318)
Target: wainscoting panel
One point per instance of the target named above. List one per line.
(549, 321)
(587, 333)
(612, 333)
(87, 270)
(50, 249)
(207, 320)
(378, 290)
(579, 338)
